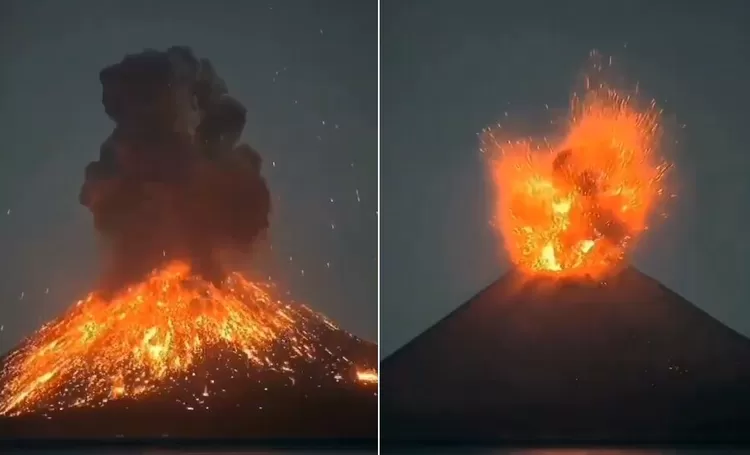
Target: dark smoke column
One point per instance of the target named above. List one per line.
(171, 181)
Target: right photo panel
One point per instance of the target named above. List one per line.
(565, 207)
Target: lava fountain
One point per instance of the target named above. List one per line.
(574, 207)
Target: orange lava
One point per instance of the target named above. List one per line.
(151, 334)
(574, 207)
(367, 376)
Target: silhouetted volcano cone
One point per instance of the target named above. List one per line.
(539, 359)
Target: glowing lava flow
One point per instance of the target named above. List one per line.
(574, 207)
(148, 336)
(367, 376)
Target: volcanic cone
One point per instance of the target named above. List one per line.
(177, 356)
(540, 359)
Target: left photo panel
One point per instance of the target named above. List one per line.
(189, 225)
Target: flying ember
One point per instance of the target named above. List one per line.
(574, 207)
(367, 376)
(151, 335)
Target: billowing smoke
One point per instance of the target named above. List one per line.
(172, 182)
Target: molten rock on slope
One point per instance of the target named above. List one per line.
(178, 344)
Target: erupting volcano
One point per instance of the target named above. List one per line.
(573, 207)
(573, 344)
(172, 343)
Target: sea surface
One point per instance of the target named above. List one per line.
(551, 451)
(182, 452)
(573, 451)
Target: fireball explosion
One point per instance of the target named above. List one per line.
(573, 208)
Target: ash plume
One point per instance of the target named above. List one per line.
(172, 181)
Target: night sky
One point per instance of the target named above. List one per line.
(450, 68)
(307, 72)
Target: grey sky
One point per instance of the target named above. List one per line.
(308, 75)
(451, 68)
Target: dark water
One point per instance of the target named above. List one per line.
(566, 451)
(570, 451)
(183, 452)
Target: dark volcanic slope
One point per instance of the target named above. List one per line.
(226, 396)
(543, 360)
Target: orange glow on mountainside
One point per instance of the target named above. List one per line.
(155, 333)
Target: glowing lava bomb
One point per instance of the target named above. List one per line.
(575, 206)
